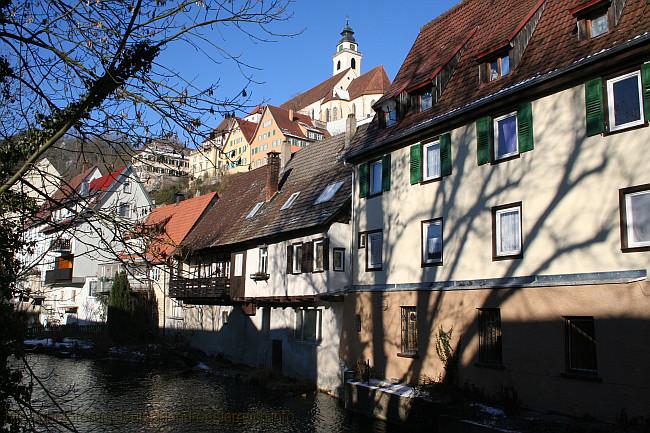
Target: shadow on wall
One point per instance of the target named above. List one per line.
(577, 166)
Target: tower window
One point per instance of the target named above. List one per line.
(338, 65)
(353, 47)
(353, 64)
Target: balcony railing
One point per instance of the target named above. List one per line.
(58, 276)
(60, 245)
(199, 288)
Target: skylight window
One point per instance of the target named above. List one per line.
(329, 192)
(287, 204)
(253, 211)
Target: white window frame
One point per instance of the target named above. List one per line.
(371, 238)
(591, 25)
(287, 204)
(315, 256)
(371, 177)
(425, 239)
(611, 117)
(296, 266)
(299, 334)
(255, 209)
(127, 186)
(341, 252)
(629, 219)
(263, 265)
(497, 228)
(425, 166)
(127, 206)
(238, 268)
(496, 136)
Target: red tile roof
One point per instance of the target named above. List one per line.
(553, 47)
(247, 128)
(67, 188)
(375, 81)
(104, 183)
(314, 94)
(289, 126)
(177, 220)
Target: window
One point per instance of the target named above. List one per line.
(308, 324)
(357, 322)
(353, 63)
(375, 177)
(409, 331)
(505, 136)
(239, 265)
(390, 116)
(253, 211)
(124, 210)
(362, 240)
(431, 169)
(489, 336)
(580, 339)
(338, 257)
(267, 123)
(264, 260)
(625, 101)
(506, 237)
(329, 192)
(374, 251)
(426, 101)
(432, 242)
(287, 204)
(297, 258)
(635, 218)
(224, 318)
(319, 255)
(598, 25)
(497, 68)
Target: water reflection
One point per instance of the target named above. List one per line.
(114, 396)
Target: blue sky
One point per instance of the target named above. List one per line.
(385, 31)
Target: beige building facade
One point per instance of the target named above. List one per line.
(513, 224)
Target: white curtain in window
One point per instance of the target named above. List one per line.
(433, 161)
(640, 207)
(510, 233)
(375, 249)
(507, 136)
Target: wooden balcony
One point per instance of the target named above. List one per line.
(61, 245)
(54, 276)
(202, 291)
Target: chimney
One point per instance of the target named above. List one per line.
(291, 114)
(179, 197)
(350, 128)
(285, 154)
(272, 174)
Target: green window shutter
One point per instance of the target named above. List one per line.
(645, 80)
(594, 106)
(525, 128)
(483, 139)
(385, 173)
(415, 164)
(363, 180)
(445, 154)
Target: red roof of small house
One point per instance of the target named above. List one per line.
(104, 183)
(176, 220)
(291, 126)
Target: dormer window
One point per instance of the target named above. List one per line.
(388, 113)
(496, 68)
(598, 25)
(426, 100)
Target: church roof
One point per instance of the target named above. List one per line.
(314, 94)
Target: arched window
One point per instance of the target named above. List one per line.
(354, 109)
(353, 63)
(338, 65)
(327, 114)
(312, 114)
(336, 114)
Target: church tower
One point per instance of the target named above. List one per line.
(346, 55)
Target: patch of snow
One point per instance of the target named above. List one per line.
(489, 410)
(201, 366)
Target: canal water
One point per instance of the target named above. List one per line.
(118, 396)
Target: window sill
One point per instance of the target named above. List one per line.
(432, 180)
(431, 265)
(628, 128)
(374, 269)
(519, 256)
(373, 195)
(408, 355)
(582, 376)
(490, 366)
(494, 161)
(635, 249)
(308, 342)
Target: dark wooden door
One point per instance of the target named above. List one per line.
(276, 355)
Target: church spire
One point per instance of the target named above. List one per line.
(347, 55)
